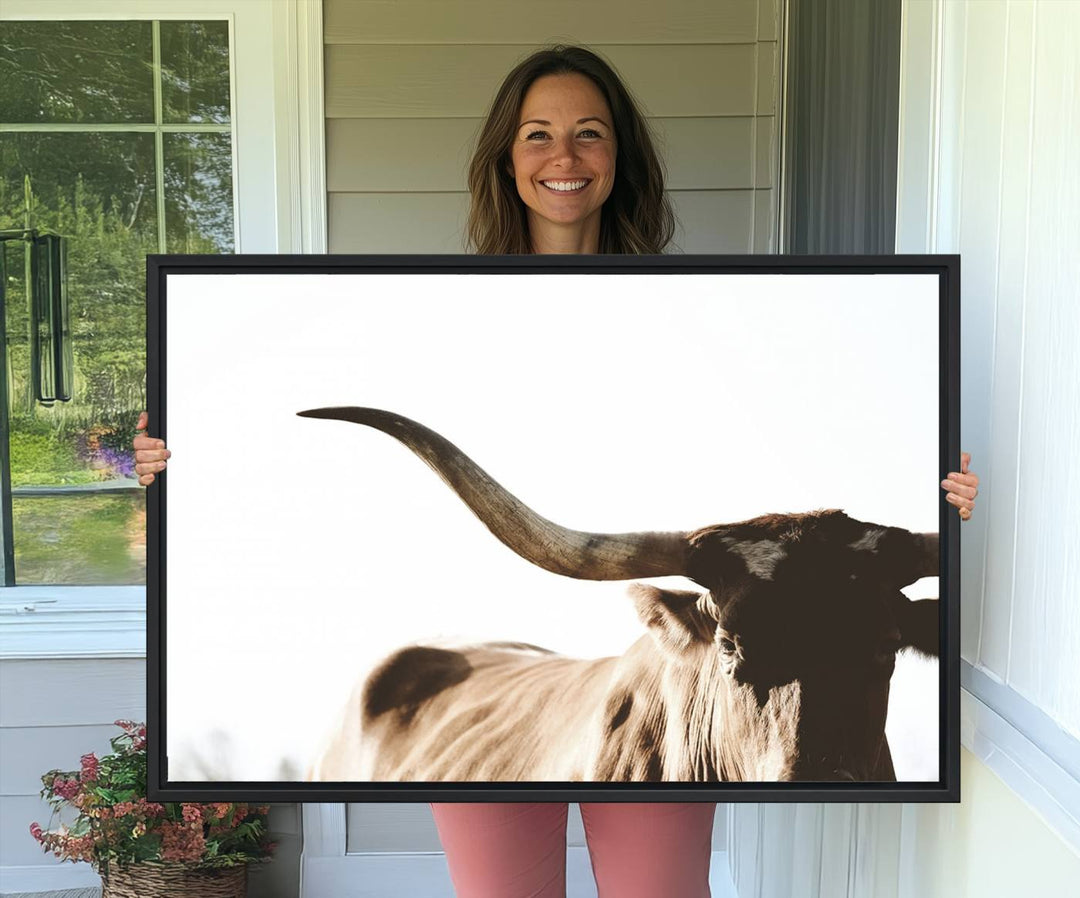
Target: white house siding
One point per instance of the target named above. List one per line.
(51, 713)
(407, 86)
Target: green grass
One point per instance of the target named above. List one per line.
(83, 540)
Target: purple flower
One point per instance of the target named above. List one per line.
(121, 462)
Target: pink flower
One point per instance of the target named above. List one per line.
(35, 831)
(181, 841)
(149, 808)
(192, 813)
(66, 789)
(89, 768)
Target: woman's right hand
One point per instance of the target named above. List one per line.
(150, 453)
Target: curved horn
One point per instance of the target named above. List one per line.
(572, 553)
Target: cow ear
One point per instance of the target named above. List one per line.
(920, 624)
(675, 620)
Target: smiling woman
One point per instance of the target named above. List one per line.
(562, 117)
(564, 165)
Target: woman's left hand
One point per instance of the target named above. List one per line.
(962, 487)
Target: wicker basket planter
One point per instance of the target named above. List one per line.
(161, 880)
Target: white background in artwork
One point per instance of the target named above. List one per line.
(301, 551)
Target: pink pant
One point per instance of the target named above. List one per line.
(498, 850)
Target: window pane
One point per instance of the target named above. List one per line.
(98, 190)
(81, 540)
(195, 71)
(76, 72)
(198, 193)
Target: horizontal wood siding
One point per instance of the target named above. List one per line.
(379, 155)
(56, 693)
(27, 752)
(410, 81)
(51, 713)
(476, 22)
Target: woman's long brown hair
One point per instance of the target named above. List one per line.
(636, 218)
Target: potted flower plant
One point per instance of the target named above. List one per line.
(140, 847)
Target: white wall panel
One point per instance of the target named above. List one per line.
(1008, 200)
(999, 588)
(978, 213)
(391, 826)
(28, 752)
(1007, 185)
(1045, 642)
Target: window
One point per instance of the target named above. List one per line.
(116, 135)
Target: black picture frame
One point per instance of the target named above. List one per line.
(945, 267)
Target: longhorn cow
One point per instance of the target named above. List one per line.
(778, 671)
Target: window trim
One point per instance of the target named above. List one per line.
(42, 621)
(276, 86)
(1033, 756)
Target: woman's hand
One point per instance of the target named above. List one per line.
(150, 453)
(962, 487)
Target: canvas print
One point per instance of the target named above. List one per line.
(547, 528)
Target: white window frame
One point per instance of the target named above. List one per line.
(279, 202)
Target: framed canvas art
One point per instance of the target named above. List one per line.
(579, 528)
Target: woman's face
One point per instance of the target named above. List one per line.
(563, 154)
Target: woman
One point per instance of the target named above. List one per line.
(565, 164)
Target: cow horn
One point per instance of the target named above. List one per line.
(572, 553)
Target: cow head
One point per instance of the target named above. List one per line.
(795, 637)
(799, 630)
